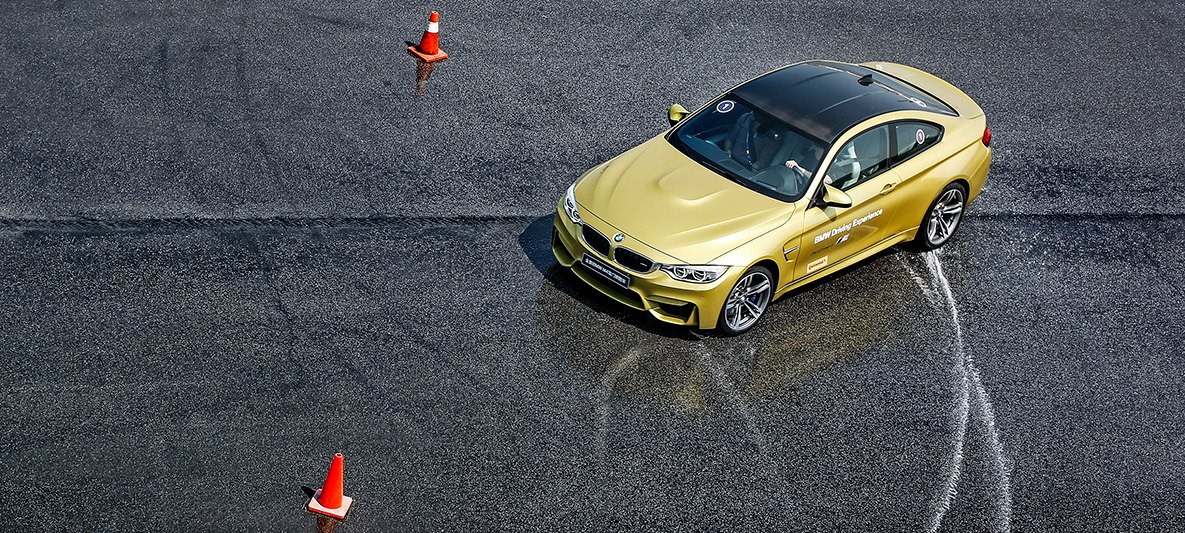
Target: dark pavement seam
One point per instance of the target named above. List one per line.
(88, 224)
(165, 224)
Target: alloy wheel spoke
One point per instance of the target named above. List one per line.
(739, 318)
(753, 310)
(758, 289)
(740, 312)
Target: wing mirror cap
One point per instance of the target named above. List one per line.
(832, 196)
(676, 113)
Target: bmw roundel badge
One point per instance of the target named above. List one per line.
(618, 238)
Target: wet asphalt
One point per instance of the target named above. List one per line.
(232, 243)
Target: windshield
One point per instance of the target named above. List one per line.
(751, 147)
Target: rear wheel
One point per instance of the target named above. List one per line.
(747, 301)
(943, 217)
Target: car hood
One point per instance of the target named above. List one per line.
(662, 198)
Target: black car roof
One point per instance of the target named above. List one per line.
(824, 99)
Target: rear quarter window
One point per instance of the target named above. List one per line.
(913, 138)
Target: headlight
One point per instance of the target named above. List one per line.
(570, 205)
(695, 273)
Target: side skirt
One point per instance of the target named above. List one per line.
(894, 240)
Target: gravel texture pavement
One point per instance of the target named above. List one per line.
(232, 242)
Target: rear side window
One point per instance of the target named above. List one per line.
(913, 137)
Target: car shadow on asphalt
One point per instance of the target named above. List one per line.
(535, 242)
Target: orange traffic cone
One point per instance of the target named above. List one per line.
(330, 501)
(429, 50)
(427, 53)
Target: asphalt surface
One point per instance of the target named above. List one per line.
(234, 243)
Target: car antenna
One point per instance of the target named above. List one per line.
(865, 79)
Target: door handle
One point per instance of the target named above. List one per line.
(888, 188)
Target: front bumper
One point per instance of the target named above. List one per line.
(667, 299)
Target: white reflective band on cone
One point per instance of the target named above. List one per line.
(433, 27)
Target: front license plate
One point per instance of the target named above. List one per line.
(605, 271)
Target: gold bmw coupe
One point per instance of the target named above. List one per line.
(782, 180)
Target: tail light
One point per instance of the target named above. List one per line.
(987, 136)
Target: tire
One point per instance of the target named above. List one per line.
(942, 217)
(741, 312)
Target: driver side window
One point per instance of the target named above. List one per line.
(861, 158)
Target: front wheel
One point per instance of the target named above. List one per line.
(747, 301)
(942, 218)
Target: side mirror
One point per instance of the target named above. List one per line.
(676, 113)
(835, 197)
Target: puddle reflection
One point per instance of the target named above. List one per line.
(804, 333)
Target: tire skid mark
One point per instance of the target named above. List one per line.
(267, 271)
(999, 460)
(633, 356)
(961, 416)
(986, 412)
(605, 397)
(928, 291)
(735, 400)
(267, 160)
(738, 403)
(970, 385)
